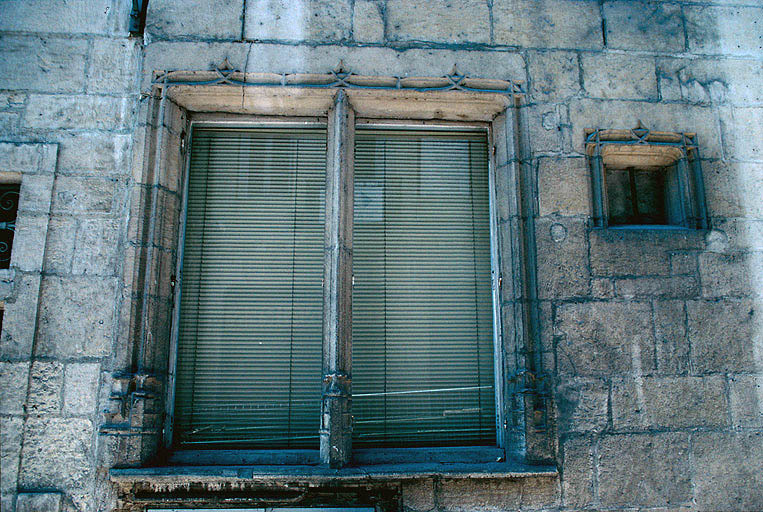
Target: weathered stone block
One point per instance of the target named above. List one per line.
(9, 122)
(672, 345)
(739, 234)
(669, 402)
(8, 501)
(442, 21)
(77, 194)
(219, 19)
(666, 287)
(51, 444)
(390, 62)
(46, 382)
(577, 474)
(59, 250)
(6, 283)
(540, 493)
(78, 112)
(746, 400)
(619, 76)
(10, 449)
(418, 495)
(14, 382)
(742, 133)
(725, 336)
(613, 251)
(582, 405)
(602, 288)
(17, 157)
(676, 117)
(547, 24)
(29, 242)
(653, 26)
(194, 55)
(81, 388)
(728, 274)
(562, 258)
(733, 188)
(478, 494)
(644, 470)
(724, 30)
(18, 330)
(710, 81)
(35, 194)
(683, 263)
(39, 502)
(727, 474)
(553, 75)
(76, 316)
(563, 186)
(96, 247)
(114, 66)
(301, 20)
(367, 22)
(12, 100)
(544, 127)
(604, 338)
(67, 16)
(42, 64)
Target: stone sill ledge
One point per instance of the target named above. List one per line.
(323, 475)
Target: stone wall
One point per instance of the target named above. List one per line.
(652, 340)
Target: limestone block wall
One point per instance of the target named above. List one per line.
(652, 340)
(68, 92)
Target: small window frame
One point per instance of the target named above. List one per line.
(640, 149)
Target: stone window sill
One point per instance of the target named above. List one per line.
(321, 475)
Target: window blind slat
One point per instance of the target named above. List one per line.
(422, 304)
(249, 355)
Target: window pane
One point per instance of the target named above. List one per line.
(422, 305)
(249, 355)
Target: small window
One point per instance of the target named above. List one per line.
(9, 205)
(642, 178)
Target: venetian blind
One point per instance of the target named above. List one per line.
(422, 312)
(249, 355)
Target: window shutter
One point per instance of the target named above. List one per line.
(249, 355)
(422, 305)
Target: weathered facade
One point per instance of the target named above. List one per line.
(632, 358)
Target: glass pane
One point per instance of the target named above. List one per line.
(422, 304)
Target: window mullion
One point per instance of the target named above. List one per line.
(336, 419)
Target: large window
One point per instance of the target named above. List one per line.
(252, 299)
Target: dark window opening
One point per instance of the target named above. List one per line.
(639, 196)
(9, 205)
